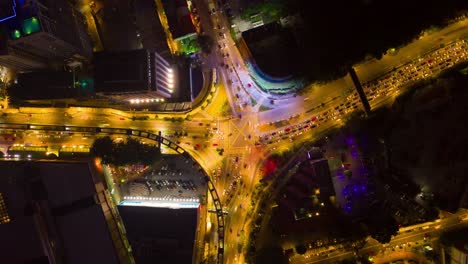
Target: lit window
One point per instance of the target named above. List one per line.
(4, 217)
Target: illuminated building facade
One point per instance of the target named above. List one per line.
(136, 76)
(40, 34)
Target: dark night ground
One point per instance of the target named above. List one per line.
(425, 132)
(339, 33)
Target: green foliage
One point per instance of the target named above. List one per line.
(220, 151)
(226, 109)
(273, 255)
(264, 108)
(253, 102)
(382, 227)
(301, 249)
(273, 9)
(206, 43)
(140, 118)
(103, 147)
(189, 45)
(125, 153)
(348, 173)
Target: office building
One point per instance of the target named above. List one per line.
(136, 76)
(40, 34)
(179, 19)
(57, 212)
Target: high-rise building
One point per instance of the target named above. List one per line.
(58, 212)
(459, 253)
(41, 34)
(135, 76)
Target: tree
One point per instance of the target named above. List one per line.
(206, 43)
(270, 255)
(301, 249)
(189, 45)
(382, 228)
(125, 153)
(348, 173)
(149, 154)
(103, 148)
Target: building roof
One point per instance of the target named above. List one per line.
(123, 71)
(45, 85)
(52, 203)
(149, 26)
(322, 172)
(178, 17)
(160, 234)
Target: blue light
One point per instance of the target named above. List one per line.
(14, 12)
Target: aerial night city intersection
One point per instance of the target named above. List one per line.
(202, 131)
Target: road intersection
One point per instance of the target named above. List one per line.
(247, 136)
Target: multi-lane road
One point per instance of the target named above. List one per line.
(406, 238)
(250, 134)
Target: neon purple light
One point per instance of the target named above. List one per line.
(350, 141)
(354, 153)
(14, 12)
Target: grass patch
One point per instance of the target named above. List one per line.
(264, 108)
(226, 109)
(253, 102)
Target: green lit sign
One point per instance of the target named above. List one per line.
(15, 34)
(31, 25)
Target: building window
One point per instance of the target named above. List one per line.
(4, 217)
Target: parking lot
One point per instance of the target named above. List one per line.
(173, 178)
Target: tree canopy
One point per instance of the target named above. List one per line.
(206, 43)
(125, 153)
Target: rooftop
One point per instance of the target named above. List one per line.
(53, 214)
(160, 234)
